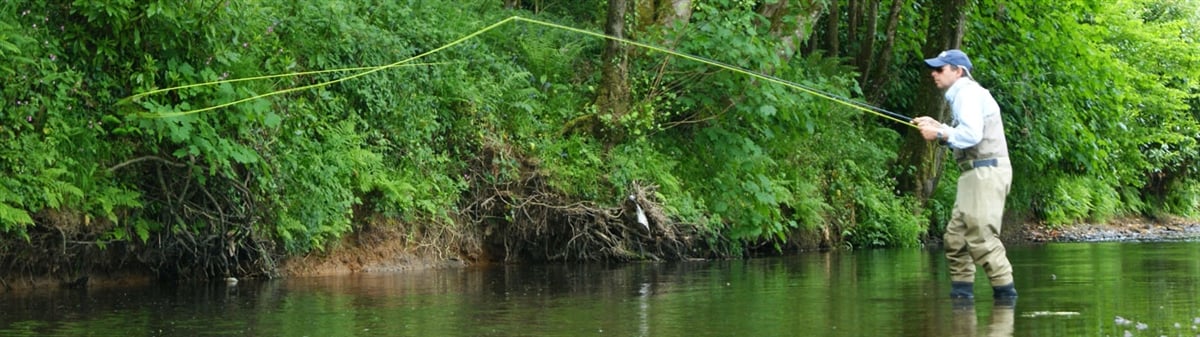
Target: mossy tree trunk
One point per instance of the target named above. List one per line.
(663, 12)
(612, 99)
(792, 22)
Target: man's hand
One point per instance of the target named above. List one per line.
(930, 128)
(922, 120)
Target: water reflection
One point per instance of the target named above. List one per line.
(1002, 320)
(966, 319)
(858, 293)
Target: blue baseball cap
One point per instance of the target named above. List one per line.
(953, 56)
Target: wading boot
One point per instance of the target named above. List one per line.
(1004, 291)
(1005, 295)
(963, 290)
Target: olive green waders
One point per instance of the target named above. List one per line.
(973, 234)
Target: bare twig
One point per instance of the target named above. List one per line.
(144, 158)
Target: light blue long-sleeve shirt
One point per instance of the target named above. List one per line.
(970, 105)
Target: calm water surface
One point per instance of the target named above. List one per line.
(1081, 289)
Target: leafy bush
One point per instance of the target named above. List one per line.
(1185, 200)
(1131, 129)
(1077, 199)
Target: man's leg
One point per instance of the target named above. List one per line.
(984, 215)
(958, 257)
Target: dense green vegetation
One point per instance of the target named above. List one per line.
(1106, 113)
(495, 147)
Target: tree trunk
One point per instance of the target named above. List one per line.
(947, 20)
(681, 11)
(853, 14)
(663, 12)
(791, 34)
(882, 71)
(866, 50)
(510, 4)
(774, 13)
(831, 30)
(612, 99)
(806, 20)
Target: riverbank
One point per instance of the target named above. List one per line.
(391, 254)
(1117, 230)
(387, 256)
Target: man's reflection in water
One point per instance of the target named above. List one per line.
(965, 319)
(1002, 317)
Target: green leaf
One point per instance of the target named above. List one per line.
(243, 155)
(272, 120)
(9, 46)
(767, 110)
(110, 119)
(10, 216)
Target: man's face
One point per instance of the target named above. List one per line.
(945, 76)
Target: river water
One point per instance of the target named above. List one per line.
(1066, 289)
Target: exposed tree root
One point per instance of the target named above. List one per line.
(55, 250)
(527, 220)
(211, 232)
(214, 233)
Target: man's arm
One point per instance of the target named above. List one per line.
(968, 111)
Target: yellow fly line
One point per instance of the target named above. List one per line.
(363, 71)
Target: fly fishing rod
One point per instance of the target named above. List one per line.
(368, 70)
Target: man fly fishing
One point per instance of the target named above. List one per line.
(977, 137)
